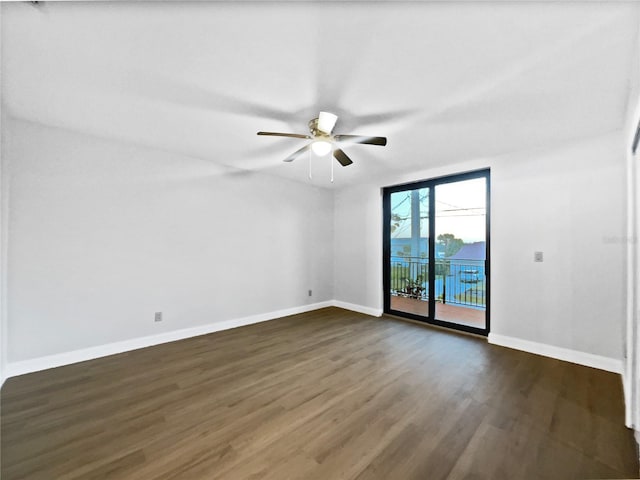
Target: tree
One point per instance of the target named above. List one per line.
(396, 220)
(450, 244)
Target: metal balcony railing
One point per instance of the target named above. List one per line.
(459, 282)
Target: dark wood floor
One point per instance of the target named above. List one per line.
(325, 395)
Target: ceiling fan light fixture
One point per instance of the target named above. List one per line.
(321, 147)
(326, 122)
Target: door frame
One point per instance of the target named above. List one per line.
(386, 248)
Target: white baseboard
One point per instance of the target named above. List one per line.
(82, 355)
(374, 312)
(66, 358)
(626, 390)
(559, 353)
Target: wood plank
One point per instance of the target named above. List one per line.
(329, 394)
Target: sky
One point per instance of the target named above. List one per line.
(460, 210)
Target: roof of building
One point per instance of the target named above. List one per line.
(470, 251)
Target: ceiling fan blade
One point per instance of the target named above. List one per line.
(342, 157)
(297, 153)
(276, 134)
(382, 141)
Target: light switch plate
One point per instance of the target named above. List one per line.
(538, 257)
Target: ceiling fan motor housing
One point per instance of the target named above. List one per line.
(313, 128)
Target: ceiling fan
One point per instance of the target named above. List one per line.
(324, 141)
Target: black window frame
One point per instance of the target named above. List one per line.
(386, 242)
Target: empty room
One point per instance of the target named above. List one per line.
(319, 240)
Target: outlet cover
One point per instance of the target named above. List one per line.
(158, 317)
(538, 257)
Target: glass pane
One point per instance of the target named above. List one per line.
(410, 251)
(461, 252)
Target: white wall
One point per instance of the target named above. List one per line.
(631, 374)
(4, 209)
(103, 235)
(633, 315)
(4, 204)
(632, 336)
(567, 202)
(358, 246)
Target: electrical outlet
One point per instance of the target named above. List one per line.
(158, 317)
(538, 257)
(310, 292)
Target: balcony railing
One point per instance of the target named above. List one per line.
(459, 282)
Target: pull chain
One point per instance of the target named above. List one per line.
(310, 172)
(331, 160)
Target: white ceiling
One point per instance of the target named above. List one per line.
(445, 82)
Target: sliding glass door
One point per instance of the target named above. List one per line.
(409, 255)
(441, 223)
